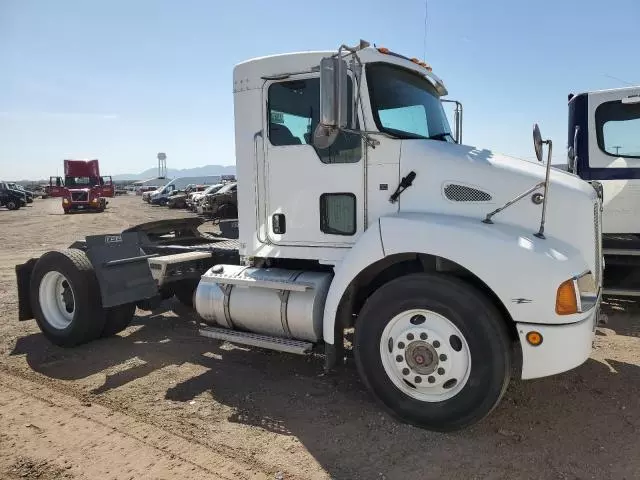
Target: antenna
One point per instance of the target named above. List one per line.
(426, 18)
(619, 80)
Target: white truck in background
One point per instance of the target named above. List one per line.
(359, 208)
(604, 148)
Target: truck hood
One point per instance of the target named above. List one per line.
(461, 180)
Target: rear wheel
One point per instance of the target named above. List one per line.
(433, 350)
(185, 290)
(118, 319)
(65, 298)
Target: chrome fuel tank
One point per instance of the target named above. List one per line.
(270, 301)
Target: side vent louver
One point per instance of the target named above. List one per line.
(462, 193)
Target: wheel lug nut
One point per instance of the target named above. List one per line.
(405, 371)
(443, 357)
(424, 336)
(399, 358)
(441, 371)
(410, 336)
(400, 345)
(418, 379)
(431, 379)
(436, 344)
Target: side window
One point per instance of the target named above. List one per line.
(618, 128)
(294, 112)
(338, 213)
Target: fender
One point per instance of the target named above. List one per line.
(521, 269)
(367, 250)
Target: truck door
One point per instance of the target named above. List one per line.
(313, 197)
(614, 156)
(108, 189)
(56, 187)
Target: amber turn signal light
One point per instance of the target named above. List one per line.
(566, 299)
(534, 338)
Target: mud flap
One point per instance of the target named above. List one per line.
(122, 268)
(23, 276)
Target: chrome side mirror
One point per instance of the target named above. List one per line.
(537, 142)
(333, 101)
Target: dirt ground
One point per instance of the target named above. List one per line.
(158, 401)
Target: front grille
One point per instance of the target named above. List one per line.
(597, 217)
(79, 196)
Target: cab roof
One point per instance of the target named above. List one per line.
(252, 73)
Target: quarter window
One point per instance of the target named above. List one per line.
(294, 112)
(618, 129)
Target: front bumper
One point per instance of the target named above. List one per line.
(563, 347)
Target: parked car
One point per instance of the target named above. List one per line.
(147, 191)
(11, 198)
(222, 204)
(179, 200)
(195, 198)
(27, 194)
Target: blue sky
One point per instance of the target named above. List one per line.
(120, 80)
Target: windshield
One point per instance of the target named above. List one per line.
(405, 104)
(80, 181)
(213, 189)
(227, 188)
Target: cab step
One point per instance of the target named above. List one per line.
(247, 281)
(288, 345)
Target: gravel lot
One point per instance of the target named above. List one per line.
(160, 402)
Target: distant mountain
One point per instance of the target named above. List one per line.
(175, 173)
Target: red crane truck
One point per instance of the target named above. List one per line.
(84, 188)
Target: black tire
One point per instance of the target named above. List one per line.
(184, 291)
(227, 211)
(118, 319)
(88, 316)
(481, 325)
(12, 205)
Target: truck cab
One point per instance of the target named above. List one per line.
(83, 186)
(604, 149)
(359, 208)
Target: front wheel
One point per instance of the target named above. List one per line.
(12, 205)
(433, 350)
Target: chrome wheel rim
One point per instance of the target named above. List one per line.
(425, 355)
(57, 300)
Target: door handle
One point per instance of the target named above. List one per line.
(278, 223)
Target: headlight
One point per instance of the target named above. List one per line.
(576, 295)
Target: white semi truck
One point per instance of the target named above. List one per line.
(360, 209)
(604, 148)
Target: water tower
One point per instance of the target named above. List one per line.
(162, 165)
